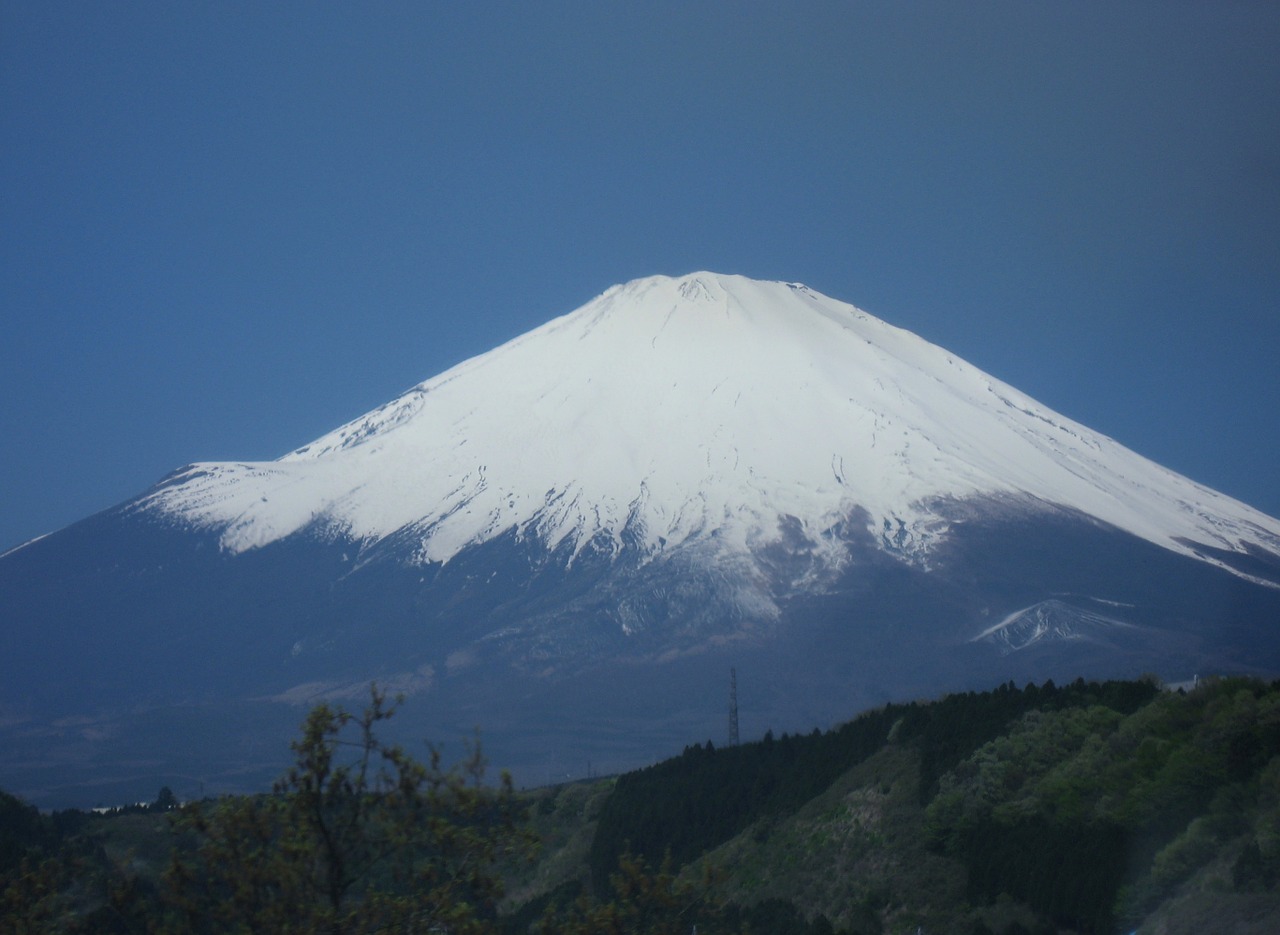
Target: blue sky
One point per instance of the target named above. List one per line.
(226, 228)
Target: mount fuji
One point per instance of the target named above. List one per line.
(567, 542)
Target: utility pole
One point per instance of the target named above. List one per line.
(733, 707)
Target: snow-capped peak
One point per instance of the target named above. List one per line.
(701, 408)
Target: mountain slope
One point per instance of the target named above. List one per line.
(674, 410)
(568, 542)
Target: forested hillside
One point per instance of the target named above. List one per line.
(1089, 807)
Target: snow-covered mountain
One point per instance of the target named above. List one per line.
(569, 540)
(705, 408)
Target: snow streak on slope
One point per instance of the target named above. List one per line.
(700, 409)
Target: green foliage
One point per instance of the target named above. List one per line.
(705, 796)
(777, 917)
(1094, 817)
(23, 830)
(694, 802)
(854, 854)
(643, 902)
(1070, 872)
(31, 896)
(357, 837)
(165, 801)
(950, 729)
(1087, 807)
(47, 883)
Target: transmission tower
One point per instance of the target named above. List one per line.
(733, 707)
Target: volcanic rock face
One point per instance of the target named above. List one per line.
(569, 539)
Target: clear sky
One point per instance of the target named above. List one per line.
(226, 228)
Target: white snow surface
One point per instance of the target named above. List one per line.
(699, 409)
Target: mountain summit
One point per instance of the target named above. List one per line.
(569, 540)
(704, 409)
